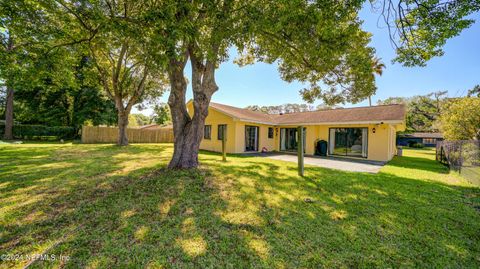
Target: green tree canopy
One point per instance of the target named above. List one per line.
(138, 119)
(121, 44)
(419, 29)
(474, 91)
(460, 119)
(422, 110)
(162, 114)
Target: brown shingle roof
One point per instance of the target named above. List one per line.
(244, 114)
(344, 115)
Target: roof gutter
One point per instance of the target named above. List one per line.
(322, 123)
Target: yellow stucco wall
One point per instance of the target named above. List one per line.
(263, 140)
(381, 144)
(214, 119)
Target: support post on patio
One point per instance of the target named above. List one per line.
(224, 146)
(300, 150)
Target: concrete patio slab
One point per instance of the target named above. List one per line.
(351, 165)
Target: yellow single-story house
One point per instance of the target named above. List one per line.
(361, 132)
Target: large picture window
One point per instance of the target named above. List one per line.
(221, 127)
(207, 132)
(348, 142)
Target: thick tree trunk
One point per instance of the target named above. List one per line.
(122, 129)
(188, 134)
(9, 115)
(188, 131)
(369, 101)
(184, 150)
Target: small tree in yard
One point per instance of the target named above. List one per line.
(460, 119)
(127, 77)
(118, 42)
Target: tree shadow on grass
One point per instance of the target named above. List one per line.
(145, 217)
(248, 213)
(358, 219)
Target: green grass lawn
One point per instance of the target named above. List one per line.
(110, 207)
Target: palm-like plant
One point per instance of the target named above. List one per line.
(377, 69)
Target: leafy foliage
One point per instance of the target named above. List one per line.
(120, 44)
(52, 102)
(317, 43)
(474, 91)
(422, 110)
(422, 27)
(3, 96)
(460, 119)
(138, 119)
(162, 114)
(31, 132)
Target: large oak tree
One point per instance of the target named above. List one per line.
(311, 42)
(319, 43)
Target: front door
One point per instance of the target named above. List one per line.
(251, 138)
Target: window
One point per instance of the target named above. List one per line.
(207, 132)
(221, 127)
(270, 132)
(429, 141)
(289, 139)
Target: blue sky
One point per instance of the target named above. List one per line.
(457, 71)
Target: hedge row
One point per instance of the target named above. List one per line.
(30, 132)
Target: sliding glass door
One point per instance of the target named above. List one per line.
(251, 138)
(348, 142)
(289, 139)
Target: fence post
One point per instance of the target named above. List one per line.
(460, 159)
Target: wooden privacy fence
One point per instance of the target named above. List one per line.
(95, 134)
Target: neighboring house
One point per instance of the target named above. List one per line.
(364, 132)
(427, 139)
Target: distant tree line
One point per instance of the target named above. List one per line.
(422, 110)
(287, 108)
(52, 95)
(161, 116)
(458, 118)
